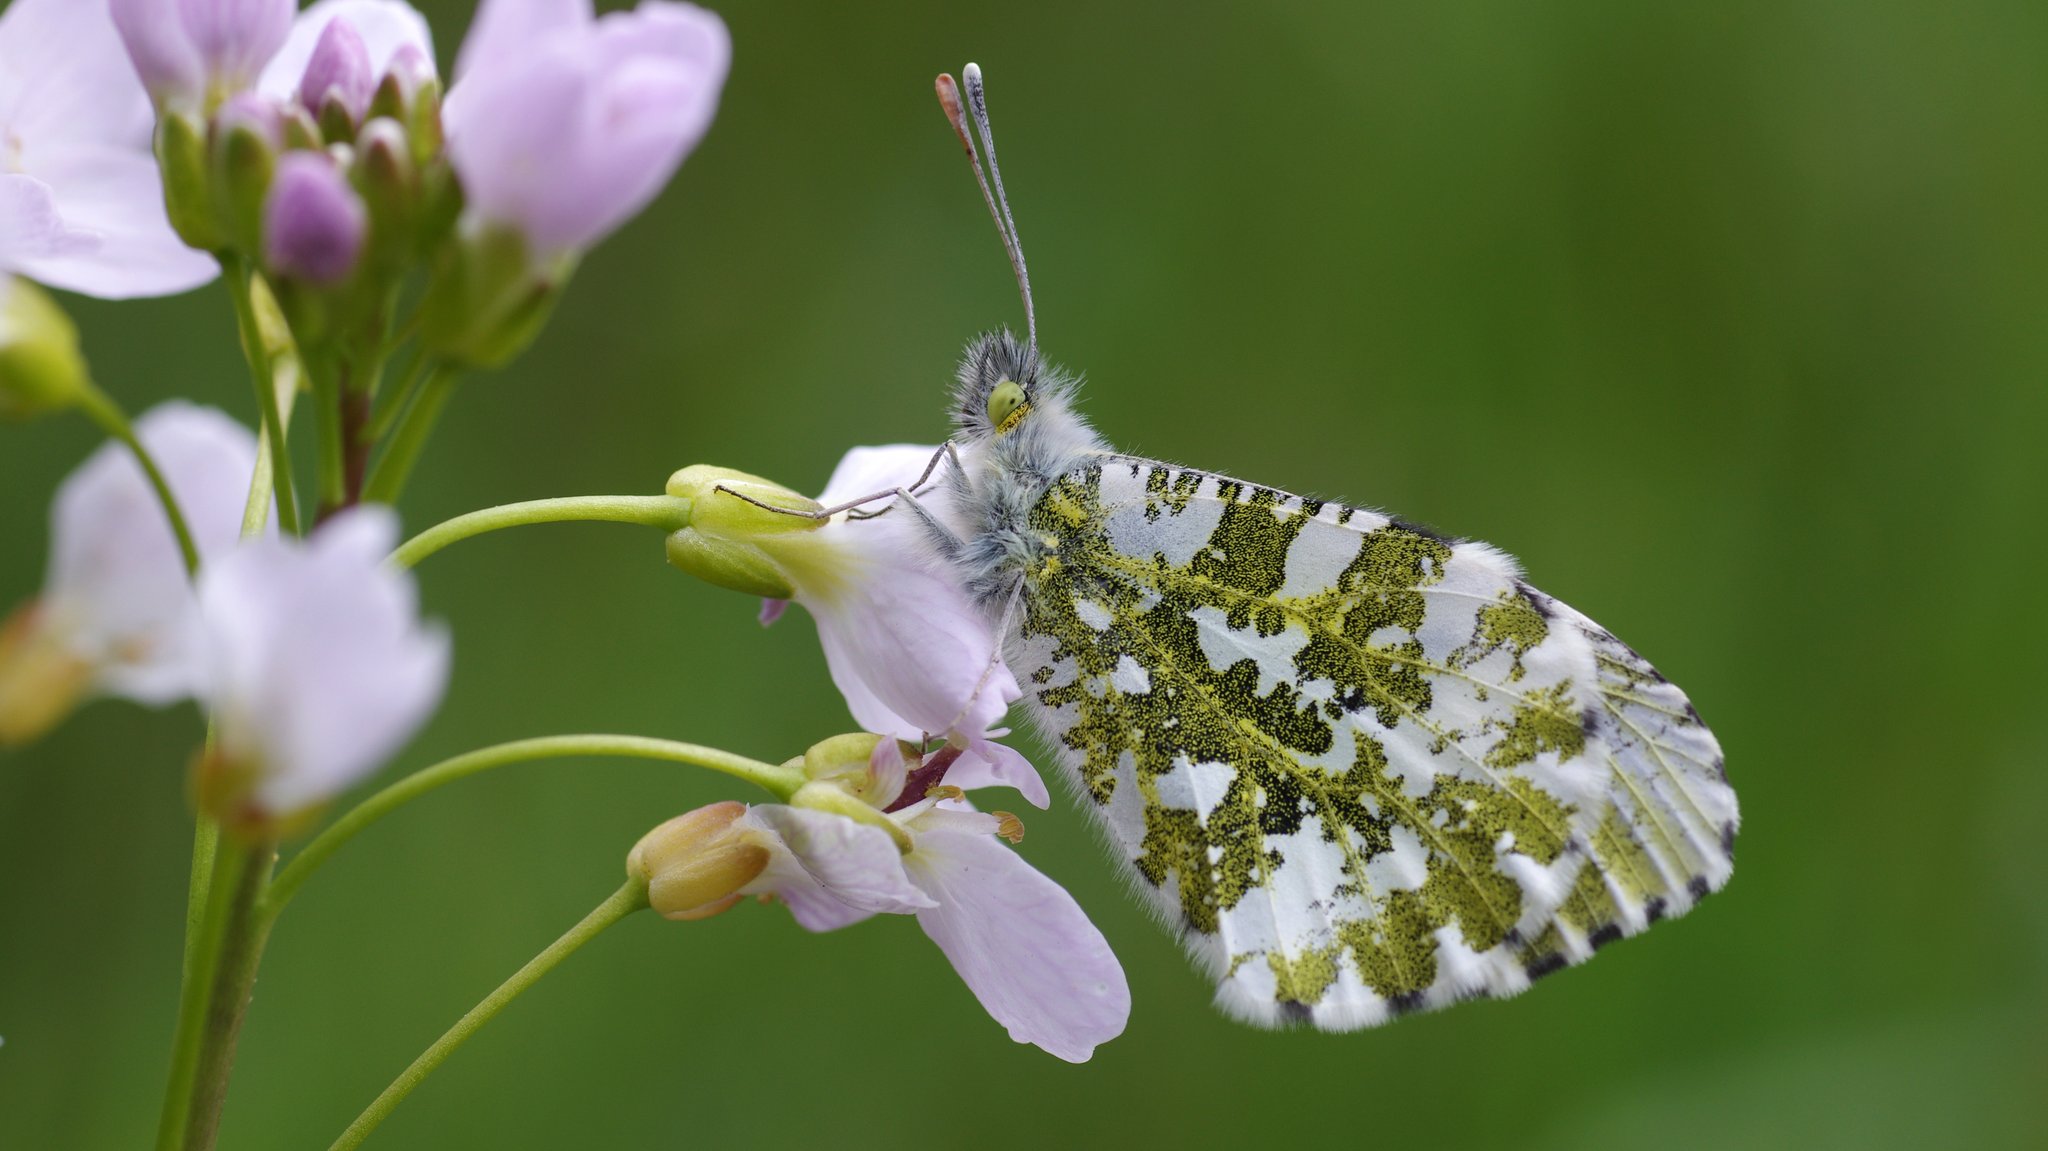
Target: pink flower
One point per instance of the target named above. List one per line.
(1017, 939)
(316, 665)
(910, 652)
(81, 206)
(563, 125)
(113, 618)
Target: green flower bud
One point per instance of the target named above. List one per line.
(244, 160)
(390, 187)
(41, 369)
(734, 542)
(181, 157)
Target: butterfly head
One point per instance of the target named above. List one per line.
(999, 387)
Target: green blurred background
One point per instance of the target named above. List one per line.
(1727, 319)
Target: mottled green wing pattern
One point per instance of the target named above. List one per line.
(1363, 769)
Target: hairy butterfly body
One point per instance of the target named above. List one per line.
(1361, 768)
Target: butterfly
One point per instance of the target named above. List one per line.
(1363, 769)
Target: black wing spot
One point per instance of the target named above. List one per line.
(1607, 934)
(1697, 887)
(1654, 910)
(1728, 839)
(1552, 962)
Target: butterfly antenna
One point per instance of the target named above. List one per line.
(998, 203)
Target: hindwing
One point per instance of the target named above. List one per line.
(1363, 768)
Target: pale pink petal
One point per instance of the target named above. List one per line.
(116, 582)
(912, 637)
(987, 763)
(1021, 944)
(65, 76)
(564, 135)
(117, 243)
(318, 665)
(503, 30)
(856, 864)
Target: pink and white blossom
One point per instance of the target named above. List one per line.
(81, 205)
(316, 664)
(115, 610)
(912, 654)
(1016, 938)
(562, 125)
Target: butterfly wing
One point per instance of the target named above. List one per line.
(1363, 769)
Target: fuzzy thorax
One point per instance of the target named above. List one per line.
(1009, 461)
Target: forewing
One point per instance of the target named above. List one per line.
(1364, 769)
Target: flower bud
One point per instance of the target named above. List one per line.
(390, 188)
(188, 192)
(314, 222)
(695, 864)
(41, 678)
(733, 542)
(248, 133)
(338, 76)
(41, 369)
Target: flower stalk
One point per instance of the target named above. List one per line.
(629, 898)
(668, 513)
(780, 782)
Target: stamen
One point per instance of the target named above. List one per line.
(1008, 826)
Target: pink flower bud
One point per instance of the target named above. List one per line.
(186, 52)
(314, 222)
(339, 70)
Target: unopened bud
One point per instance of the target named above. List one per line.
(313, 224)
(188, 201)
(749, 535)
(338, 76)
(390, 187)
(695, 864)
(41, 369)
(41, 678)
(248, 133)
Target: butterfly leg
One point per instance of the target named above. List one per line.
(946, 451)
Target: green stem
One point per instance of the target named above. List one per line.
(397, 400)
(388, 478)
(246, 931)
(108, 415)
(782, 782)
(669, 513)
(324, 370)
(625, 901)
(202, 953)
(237, 276)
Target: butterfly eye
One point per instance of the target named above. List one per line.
(1006, 404)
